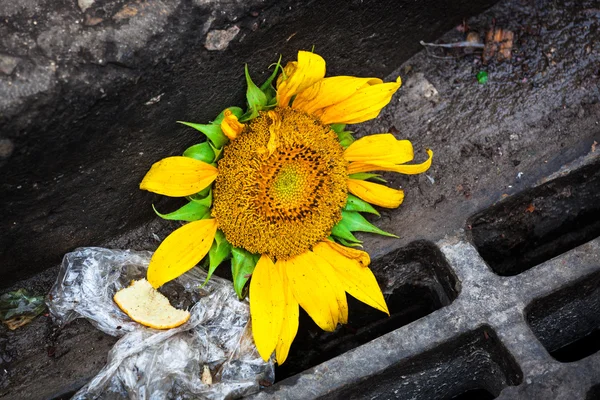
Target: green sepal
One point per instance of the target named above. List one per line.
(201, 151)
(220, 250)
(267, 87)
(192, 211)
(238, 112)
(345, 138)
(347, 243)
(211, 131)
(338, 128)
(341, 232)
(242, 266)
(363, 176)
(355, 204)
(354, 222)
(250, 114)
(256, 98)
(204, 198)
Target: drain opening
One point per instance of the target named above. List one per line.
(471, 366)
(539, 224)
(567, 322)
(416, 281)
(593, 393)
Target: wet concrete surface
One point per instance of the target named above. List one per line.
(537, 116)
(90, 92)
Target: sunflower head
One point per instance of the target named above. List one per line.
(280, 190)
(281, 202)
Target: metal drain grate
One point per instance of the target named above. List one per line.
(419, 283)
(513, 315)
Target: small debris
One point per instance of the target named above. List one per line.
(430, 179)
(6, 148)
(498, 43)
(594, 146)
(530, 208)
(264, 383)
(125, 13)
(519, 175)
(85, 4)
(8, 64)
(154, 100)
(453, 45)
(464, 27)
(219, 39)
(92, 21)
(482, 77)
(206, 375)
(18, 308)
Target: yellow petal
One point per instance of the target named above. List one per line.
(273, 132)
(362, 257)
(267, 306)
(299, 75)
(409, 169)
(356, 279)
(312, 290)
(178, 176)
(181, 251)
(230, 125)
(289, 326)
(383, 147)
(375, 193)
(364, 105)
(330, 91)
(328, 273)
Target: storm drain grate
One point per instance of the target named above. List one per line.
(540, 223)
(496, 312)
(423, 283)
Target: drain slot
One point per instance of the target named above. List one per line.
(539, 224)
(567, 322)
(593, 393)
(473, 365)
(417, 282)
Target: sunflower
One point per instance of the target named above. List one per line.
(280, 190)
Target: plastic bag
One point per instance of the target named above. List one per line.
(153, 364)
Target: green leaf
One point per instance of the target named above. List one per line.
(354, 221)
(212, 132)
(355, 204)
(202, 152)
(363, 176)
(242, 266)
(345, 138)
(219, 252)
(204, 198)
(20, 304)
(338, 128)
(256, 98)
(192, 211)
(234, 110)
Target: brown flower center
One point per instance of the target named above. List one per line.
(281, 184)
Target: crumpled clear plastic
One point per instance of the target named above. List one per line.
(153, 364)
